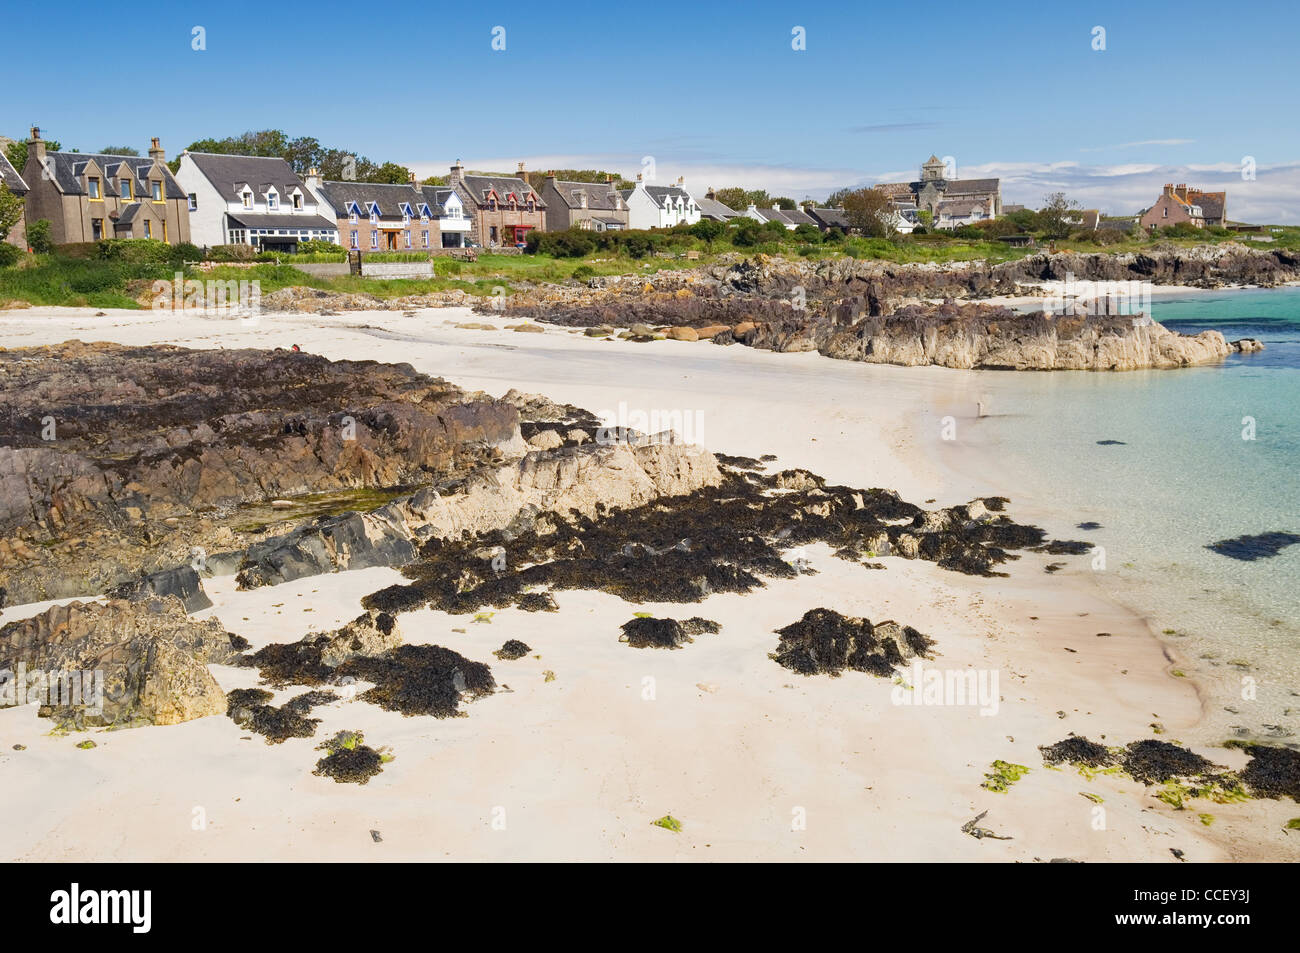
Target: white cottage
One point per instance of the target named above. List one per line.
(250, 200)
(659, 206)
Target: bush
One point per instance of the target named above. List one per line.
(313, 246)
(968, 231)
(78, 251)
(583, 272)
(232, 253)
(808, 233)
(571, 243)
(9, 254)
(38, 236)
(187, 251)
(135, 250)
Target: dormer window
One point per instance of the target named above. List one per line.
(374, 214)
(297, 201)
(92, 189)
(125, 191)
(155, 190)
(352, 215)
(247, 197)
(272, 201)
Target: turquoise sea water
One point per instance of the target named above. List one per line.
(1180, 478)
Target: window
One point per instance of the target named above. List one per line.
(374, 215)
(492, 235)
(354, 239)
(1165, 211)
(194, 202)
(374, 240)
(406, 236)
(492, 205)
(272, 201)
(248, 199)
(148, 229)
(352, 217)
(297, 201)
(424, 238)
(96, 228)
(92, 186)
(126, 189)
(164, 230)
(155, 190)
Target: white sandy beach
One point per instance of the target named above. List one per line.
(756, 762)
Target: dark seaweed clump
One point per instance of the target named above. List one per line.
(294, 663)
(1077, 750)
(649, 633)
(537, 602)
(1250, 548)
(512, 649)
(248, 708)
(728, 538)
(1154, 762)
(420, 679)
(1272, 772)
(349, 759)
(824, 642)
(304, 703)
(245, 698)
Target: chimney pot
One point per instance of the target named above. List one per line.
(36, 132)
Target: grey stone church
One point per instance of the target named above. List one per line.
(950, 202)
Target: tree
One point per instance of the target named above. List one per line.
(1056, 218)
(436, 180)
(117, 151)
(390, 172)
(38, 236)
(11, 210)
(740, 199)
(808, 233)
(708, 231)
(785, 203)
(869, 211)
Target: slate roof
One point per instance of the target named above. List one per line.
(66, 169)
(954, 187)
(660, 194)
(830, 217)
(959, 207)
(600, 195)
(504, 186)
(1211, 203)
(792, 216)
(253, 220)
(227, 173)
(712, 208)
(388, 198)
(436, 196)
(9, 175)
(127, 213)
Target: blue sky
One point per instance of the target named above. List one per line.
(712, 91)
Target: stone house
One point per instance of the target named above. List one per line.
(375, 216)
(595, 206)
(502, 209)
(1178, 203)
(250, 200)
(10, 177)
(87, 196)
(933, 189)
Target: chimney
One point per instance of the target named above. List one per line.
(638, 178)
(313, 179)
(609, 180)
(36, 147)
(1169, 188)
(681, 181)
(412, 179)
(520, 170)
(457, 176)
(156, 151)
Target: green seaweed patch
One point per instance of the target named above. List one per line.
(1292, 825)
(669, 823)
(350, 760)
(86, 745)
(1003, 775)
(261, 517)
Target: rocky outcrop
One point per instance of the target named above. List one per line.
(888, 312)
(584, 479)
(118, 462)
(980, 336)
(149, 656)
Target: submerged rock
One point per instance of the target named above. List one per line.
(1250, 548)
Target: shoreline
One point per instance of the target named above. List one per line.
(856, 424)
